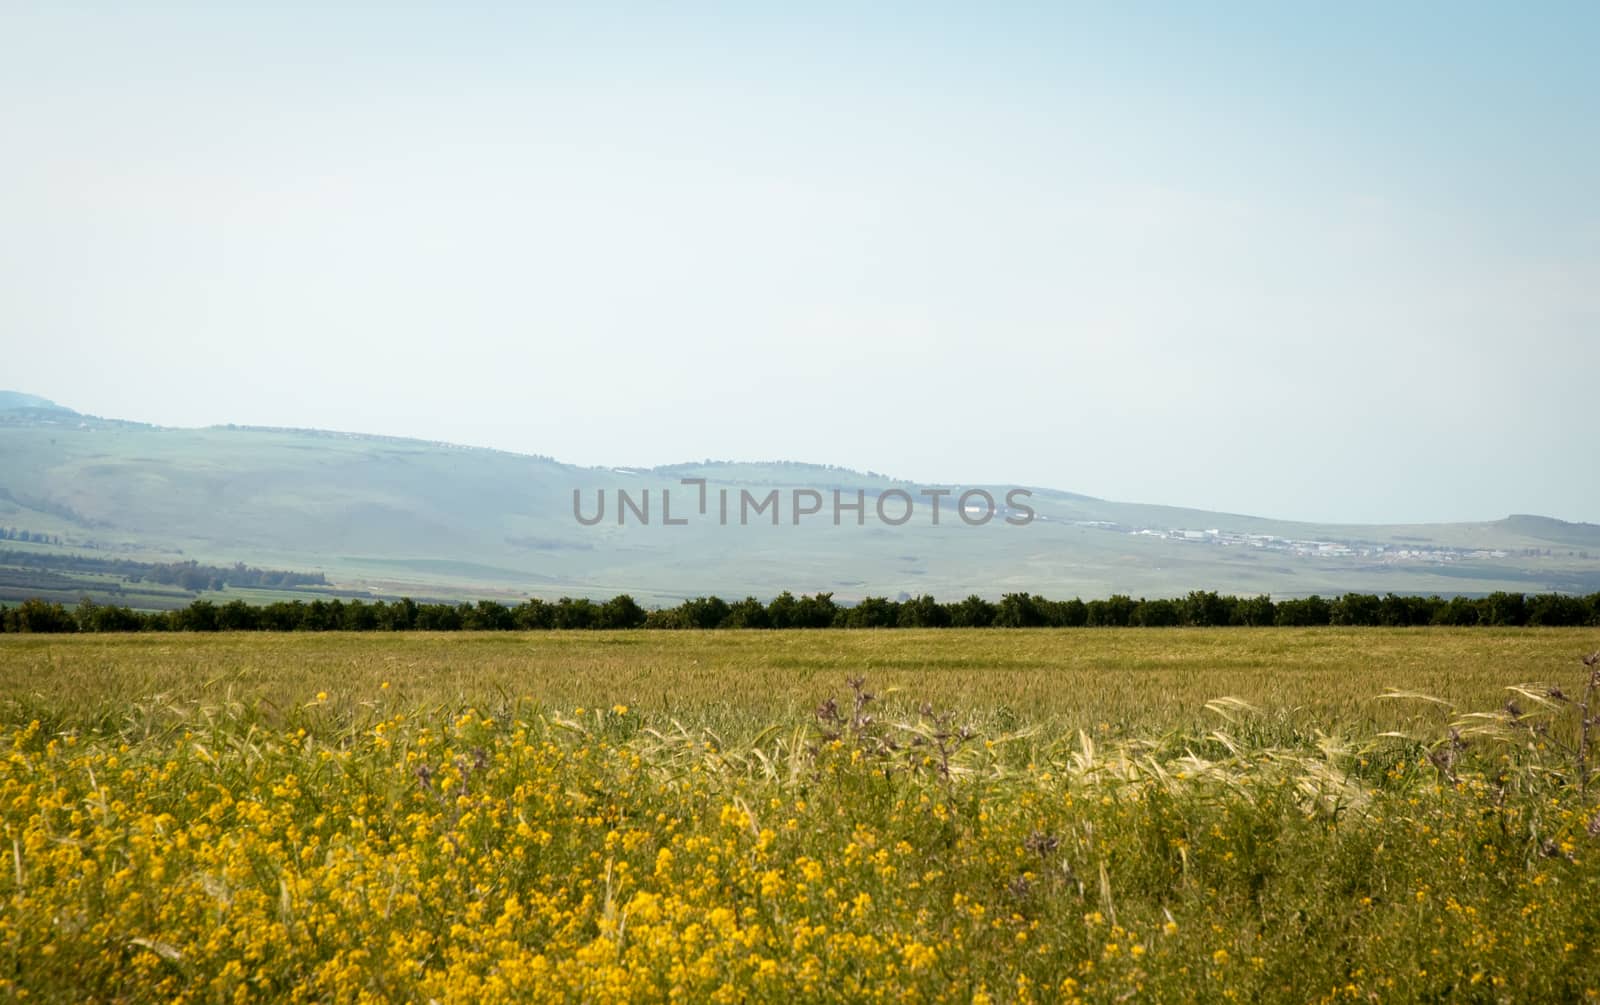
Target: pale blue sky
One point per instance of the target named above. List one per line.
(1333, 262)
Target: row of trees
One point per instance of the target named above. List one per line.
(189, 575)
(194, 576)
(18, 534)
(1014, 610)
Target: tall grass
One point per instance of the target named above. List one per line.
(736, 682)
(391, 837)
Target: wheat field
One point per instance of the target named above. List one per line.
(1136, 678)
(972, 816)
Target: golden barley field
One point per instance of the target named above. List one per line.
(961, 816)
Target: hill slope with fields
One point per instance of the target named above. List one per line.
(391, 516)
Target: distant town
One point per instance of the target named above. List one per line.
(1306, 548)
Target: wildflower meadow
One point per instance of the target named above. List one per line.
(230, 833)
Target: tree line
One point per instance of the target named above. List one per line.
(1014, 610)
(189, 575)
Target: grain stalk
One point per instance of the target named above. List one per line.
(1586, 721)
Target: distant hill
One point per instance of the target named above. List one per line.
(393, 515)
(14, 400)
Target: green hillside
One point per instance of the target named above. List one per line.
(391, 516)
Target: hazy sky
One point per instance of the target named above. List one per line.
(1333, 261)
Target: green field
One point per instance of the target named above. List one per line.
(1138, 679)
(1101, 815)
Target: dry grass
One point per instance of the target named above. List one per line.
(1135, 680)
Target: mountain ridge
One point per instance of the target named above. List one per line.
(394, 514)
(688, 467)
